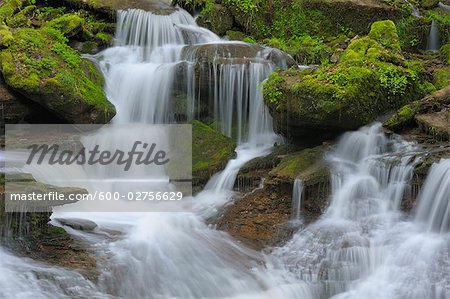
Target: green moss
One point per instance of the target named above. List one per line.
(412, 32)
(307, 164)
(385, 33)
(403, 118)
(428, 4)
(8, 8)
(210, 149)
(363, 49)
(68, 24)
(272, 89)
(369, 79)
(39, 64)
(445, 53)
(22, 18)
(48, 13)
(6, 36)
(441, 77)
(236, 35)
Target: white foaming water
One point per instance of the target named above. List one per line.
(433, 42)
(434, 199)
(175, 255)
(24, 279)
(362, 247)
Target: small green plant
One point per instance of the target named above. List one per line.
(272, 89)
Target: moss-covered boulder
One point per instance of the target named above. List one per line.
(6, 36)
(210, 152)
(40, 65)
(405, 117)
(369, 80)
(217, 18)
(385, 33)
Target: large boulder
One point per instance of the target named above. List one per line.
(371, 78)
(40, 65)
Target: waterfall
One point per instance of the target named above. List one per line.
(434, 199)
(297, 199)
(176, 255)
(433, 42)
(415, 12)
(362, 247)
(444, 6)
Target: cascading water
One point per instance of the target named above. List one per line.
(176, 255)
(362, 247)
(434, 200)
(433, 42)
(297, 199)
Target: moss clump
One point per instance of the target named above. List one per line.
(441, 77)
(403, 118)
(307, 164)
(68, 24)
(385, 33)
(445, 53)
(210, 149)
(40, 65)
(6, 36)
(9, 7)
(369, 79)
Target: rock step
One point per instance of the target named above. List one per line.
(436, 124)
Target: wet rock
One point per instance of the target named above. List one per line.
(435, 124)
(235, 52)
(78, 224)
(211, 151)
(260, 215)
(30, 234)
(404, 118)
